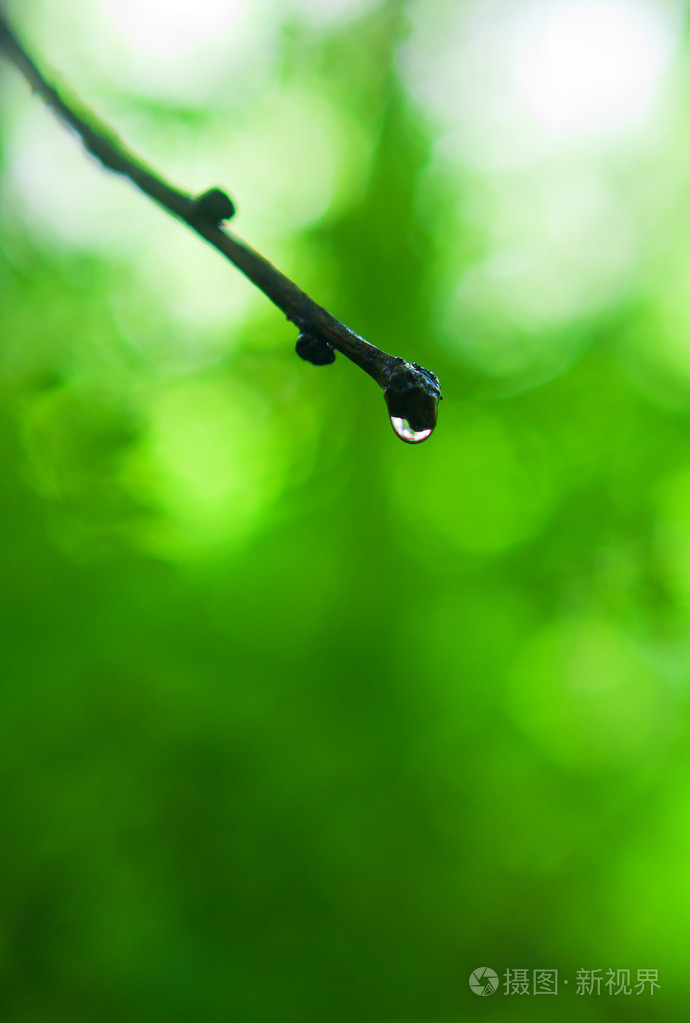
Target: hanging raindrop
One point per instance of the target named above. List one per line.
(407, 433)
(412, 395)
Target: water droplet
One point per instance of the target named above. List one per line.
(412, 395)
(406, 433)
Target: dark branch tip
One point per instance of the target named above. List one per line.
(413, 393)
(315, 350)
(213, 206)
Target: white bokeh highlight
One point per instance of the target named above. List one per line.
(589, 66)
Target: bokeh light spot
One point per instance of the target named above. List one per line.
(211, 462)
(592, 65)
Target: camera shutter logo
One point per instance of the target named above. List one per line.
(484, 980)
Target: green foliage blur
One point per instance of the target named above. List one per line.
(299, 722)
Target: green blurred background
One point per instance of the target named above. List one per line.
(299, 722)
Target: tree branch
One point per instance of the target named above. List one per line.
(412, 393)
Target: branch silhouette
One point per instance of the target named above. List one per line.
(412, 393)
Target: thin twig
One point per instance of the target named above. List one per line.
(412, 392)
